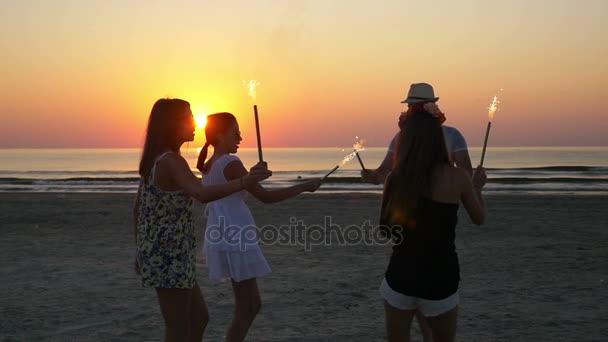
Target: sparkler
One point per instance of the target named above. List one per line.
(358, 147)
(491, 110)
(330, 172)
(251, 86)
(360, 161)
(257, 132)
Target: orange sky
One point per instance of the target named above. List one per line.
(85, 73)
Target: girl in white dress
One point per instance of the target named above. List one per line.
(230, 246)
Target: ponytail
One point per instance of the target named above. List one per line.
(200, 164)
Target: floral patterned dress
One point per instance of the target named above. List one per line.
(165, 238)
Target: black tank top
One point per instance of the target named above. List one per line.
(424, 263)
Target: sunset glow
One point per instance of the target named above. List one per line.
(201, 120)
(92, 67)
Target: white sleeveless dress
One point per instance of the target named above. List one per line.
(231, 240)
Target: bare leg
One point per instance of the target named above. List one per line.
(425, 328)
(247, 306)
(398, 323)
(173, 304)
(199, 315)
(444, 326)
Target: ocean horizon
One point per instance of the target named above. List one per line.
(539, 170)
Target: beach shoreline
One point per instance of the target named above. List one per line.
(537, 270)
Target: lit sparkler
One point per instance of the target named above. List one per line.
(251, 87)
(358, 147)
(491, 111)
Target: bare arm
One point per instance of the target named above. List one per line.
(471, 195)
(235, 170)
(180, 173)
(463, 161)
(378, 176)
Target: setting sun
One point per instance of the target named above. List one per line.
(201, 120)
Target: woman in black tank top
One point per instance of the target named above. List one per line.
(428, 253)
(420, 204)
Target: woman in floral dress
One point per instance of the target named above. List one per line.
(163, 227)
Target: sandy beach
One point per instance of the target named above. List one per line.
(537, 271)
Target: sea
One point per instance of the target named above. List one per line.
(535, 170)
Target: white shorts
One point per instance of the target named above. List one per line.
(428, 308)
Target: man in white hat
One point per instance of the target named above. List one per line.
(455, 142)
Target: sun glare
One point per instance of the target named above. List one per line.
(201, 120)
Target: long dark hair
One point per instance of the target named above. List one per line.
(420, 152)
(162, 133)
(217, 125)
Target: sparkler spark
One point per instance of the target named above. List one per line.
(348, 158)
(358, 146)
(251, 88)
(493, 108)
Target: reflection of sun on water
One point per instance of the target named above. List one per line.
(201, 121)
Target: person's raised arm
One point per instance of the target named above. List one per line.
(235, 170)
(471, 196)
(184, 178)
(378, 176)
